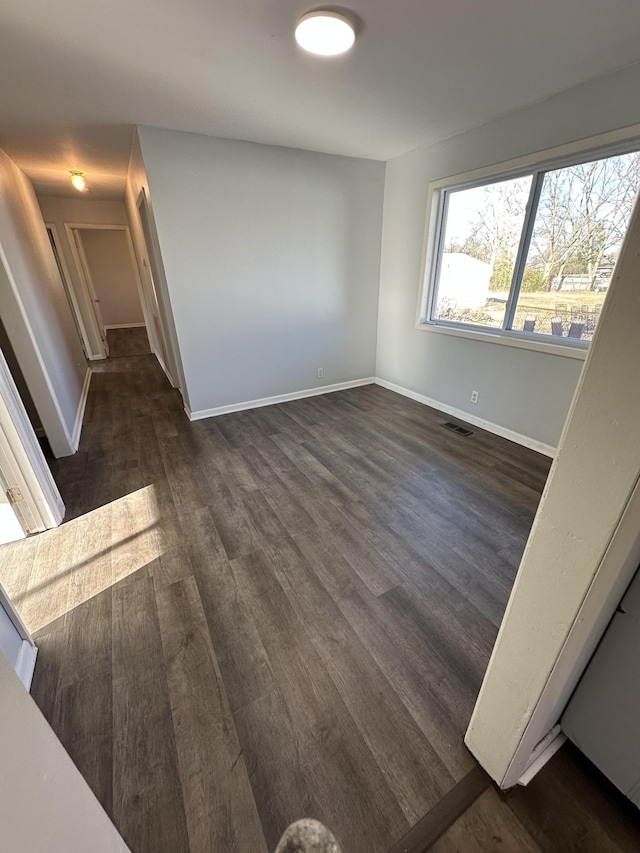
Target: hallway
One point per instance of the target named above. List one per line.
(128, 341)
(286, 612)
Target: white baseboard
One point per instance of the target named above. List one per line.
(125, 325)
(77, 427)
(509, 434)
(280, 398)
(503, 432)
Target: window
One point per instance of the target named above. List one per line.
(531, 255)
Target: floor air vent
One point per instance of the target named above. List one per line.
(458, 429)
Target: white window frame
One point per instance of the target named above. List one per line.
(610, 144)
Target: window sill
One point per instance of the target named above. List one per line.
(510, 339)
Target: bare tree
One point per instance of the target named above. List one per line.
(582, 216)
(581, 219)
(495, 233)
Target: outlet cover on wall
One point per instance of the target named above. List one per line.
(321, 373)
(474, 396)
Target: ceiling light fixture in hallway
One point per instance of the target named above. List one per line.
(78, 180)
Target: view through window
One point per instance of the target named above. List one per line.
(536, 253)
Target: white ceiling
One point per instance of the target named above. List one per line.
(76, 74)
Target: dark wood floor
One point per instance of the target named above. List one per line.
(128, 341)
(569, 807)
(285, 612)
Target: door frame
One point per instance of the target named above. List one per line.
(69, 289)
(166, 347)
(34, 493)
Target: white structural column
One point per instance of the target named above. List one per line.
(45, 804)
(583, 547)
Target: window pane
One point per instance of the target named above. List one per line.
(581, 221)
(481, 238)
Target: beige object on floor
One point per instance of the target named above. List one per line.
(308, 836)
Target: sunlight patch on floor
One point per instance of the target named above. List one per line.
(87, 555)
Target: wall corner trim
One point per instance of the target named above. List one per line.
(503, 432)
(543, 752)
(77, 427)
(280, 398)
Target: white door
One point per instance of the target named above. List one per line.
(25, 477)
(71, 298)
(85, 272)
(11, 528)
(82, 305)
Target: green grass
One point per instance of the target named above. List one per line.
(550, 301)
(581, 306)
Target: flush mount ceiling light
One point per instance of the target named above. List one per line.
(78, 180)
(325, 33)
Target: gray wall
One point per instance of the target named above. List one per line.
(36, 313)
(521, 390)
(57, 211)
(272, 262)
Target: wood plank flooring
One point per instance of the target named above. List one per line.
(569, 806)
(128, 341)
(281, 613)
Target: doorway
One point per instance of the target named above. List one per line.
(80, 302)
(110, 297)
(110, 273)
(65, 278)
(29, 498)
(29, 501)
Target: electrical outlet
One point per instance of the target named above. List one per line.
(474, 396)
(321, 373)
